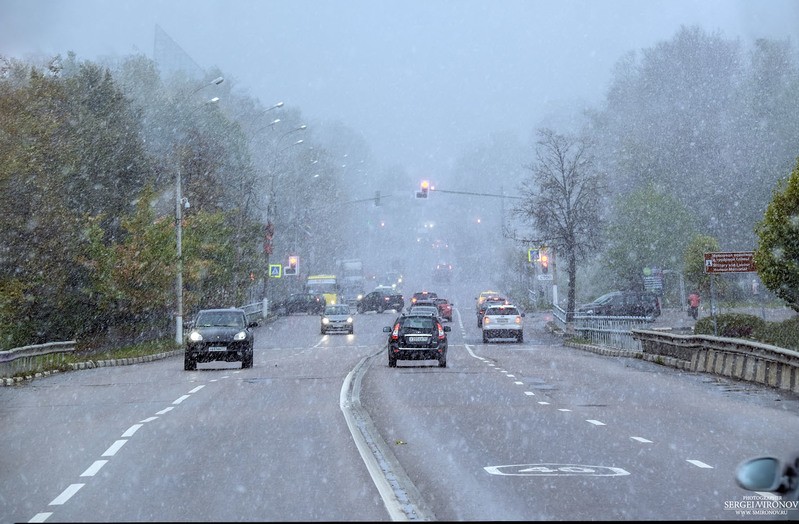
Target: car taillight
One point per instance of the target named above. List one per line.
(518, 320)
(440, 331)
(486, 320)
(395, 333)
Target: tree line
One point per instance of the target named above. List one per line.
(89, 158)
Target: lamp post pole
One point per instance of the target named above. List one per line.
(179, 237)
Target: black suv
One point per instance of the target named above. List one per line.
(219, 334)
(380, 300)
(417, 337)
(623, 304)
(309, 303)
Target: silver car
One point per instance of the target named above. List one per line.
(337, 318)
(503, 321)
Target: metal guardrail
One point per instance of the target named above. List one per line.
(34, 359)
(29, 360)
(614, 332)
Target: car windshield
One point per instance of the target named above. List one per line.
(216, 215)
(338, 309)
(220, 319)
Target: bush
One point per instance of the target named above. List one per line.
(732, 325)
(783, 334)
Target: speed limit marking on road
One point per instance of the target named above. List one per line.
(555, 470)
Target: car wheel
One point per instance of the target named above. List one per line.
(246, 362)
(485, 338)
(380, 308)
(520, 337)
(324, 332)
(442, 362)
(189, 363)
(352, 331)
(392, 361)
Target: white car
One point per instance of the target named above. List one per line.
(503, 321)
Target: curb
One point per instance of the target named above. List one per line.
(91, 364)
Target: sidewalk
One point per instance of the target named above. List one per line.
(679, 319)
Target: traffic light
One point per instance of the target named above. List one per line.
(293, 267)
(425, 187)
(543, 257)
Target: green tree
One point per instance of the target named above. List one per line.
(777, 254)
(648, 228)
(694, 263)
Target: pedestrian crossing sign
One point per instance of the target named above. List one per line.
(275, 270)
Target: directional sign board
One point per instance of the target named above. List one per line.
(734, 262)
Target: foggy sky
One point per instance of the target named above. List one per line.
(419, 79)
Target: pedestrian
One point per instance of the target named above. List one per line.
(693, 305)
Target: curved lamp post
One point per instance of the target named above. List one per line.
(179, 203)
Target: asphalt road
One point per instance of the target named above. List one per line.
(532, 431)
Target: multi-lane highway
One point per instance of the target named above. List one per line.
(322, 429)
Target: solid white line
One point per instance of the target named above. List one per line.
(94, 468)
(163, 411)
(641, 439)
(181, 399)
(198, 388)
(148, 419)
(699, 463)
(66, 494)
(595, 422)
(41, 517)
(116, 446)
(131, 430)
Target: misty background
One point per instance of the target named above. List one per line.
(421, 81)
(330, 115)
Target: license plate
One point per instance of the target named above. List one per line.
(502, 321)
(417, 339)
(217, 348)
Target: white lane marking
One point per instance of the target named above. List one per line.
(181, 399)
(529, 393)
(198, 388)
(41, 517)
(518, 383)
(595, 422)
(148, 419)
(699, 464)
(94, 468)
(163, 411)
(543, 403)
(641, 439)
(66, 494)
(510, 375)
(131, 430)
(563, 409)
(225, 376)
(116, 446)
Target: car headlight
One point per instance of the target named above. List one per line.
(349, 320)
(195, 336)
(325, 320)
(241, 335)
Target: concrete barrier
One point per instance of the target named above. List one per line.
(730, 357)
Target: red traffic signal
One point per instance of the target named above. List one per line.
(424, 188)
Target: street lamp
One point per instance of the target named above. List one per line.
(180, 202)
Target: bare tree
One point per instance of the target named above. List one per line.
(561, 200)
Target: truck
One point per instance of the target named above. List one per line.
(351, 280)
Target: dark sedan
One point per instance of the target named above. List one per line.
(310, 303)
(220, 334)
(381, 300)
(417, 337)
